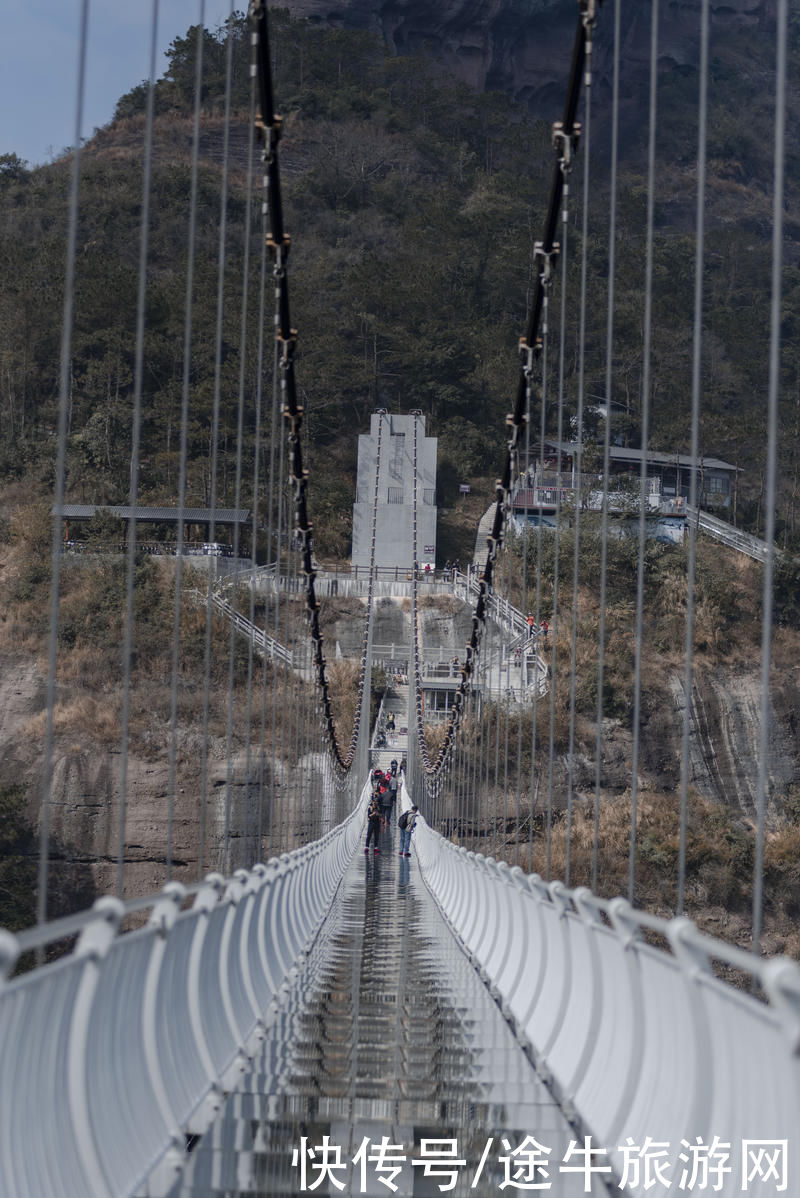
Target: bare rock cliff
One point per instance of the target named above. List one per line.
(524, 46)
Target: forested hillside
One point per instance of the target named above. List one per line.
(413, 204)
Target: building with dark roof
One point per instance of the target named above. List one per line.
(669, 475)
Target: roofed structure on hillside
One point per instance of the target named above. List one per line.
(669, 475)
(206, 517)
(157, 515)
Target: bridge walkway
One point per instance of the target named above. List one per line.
(389, 1032)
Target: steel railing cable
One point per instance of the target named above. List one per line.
(782, 18)
(184, 437)
(697, 344)
(269, 125)
(645, 426)
(609, 350)
(586, 134)
(136, 426)
(64, 385)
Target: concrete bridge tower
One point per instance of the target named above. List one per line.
(394, 524)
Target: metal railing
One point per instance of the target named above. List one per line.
(507, 617)
(634, 1041)
(261, 640)
(734, 538)
(395, 657)
(112, 1055)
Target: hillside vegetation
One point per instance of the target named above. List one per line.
(413, 205)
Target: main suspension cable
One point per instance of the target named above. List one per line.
(269, 127)
(566, 132)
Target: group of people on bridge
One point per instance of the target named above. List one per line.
(384, 796)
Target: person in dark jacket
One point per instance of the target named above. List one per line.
(373, 824)
(385, 800)
(406, 824)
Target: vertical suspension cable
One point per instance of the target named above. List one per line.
(537, 609)
(772, 460)
(565, 163)
(507, 711)
(259, 397)
(278, 676)
(643, 499)
(237, 490)
(297, 745)
(127, 647)
(522, 649)
(184, 443)
(214, 445)
(498, 640)
(289, 699)
(612, 260)
(60, 479)
(578, 459)
(699, 264)
(475, 810)
(548, 822)
(493, 646)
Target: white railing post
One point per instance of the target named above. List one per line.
(161, 921)
(92, 947)
(206, 901)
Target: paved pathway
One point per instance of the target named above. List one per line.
(485, 525)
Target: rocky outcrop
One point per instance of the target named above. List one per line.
(724, 729)
(524, 46)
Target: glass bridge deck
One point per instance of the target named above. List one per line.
(389, 1035)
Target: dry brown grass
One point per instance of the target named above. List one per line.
(447, 605)
(81, 717)
(434, 738)
(343, 683)
(346, 607)
(719, 858)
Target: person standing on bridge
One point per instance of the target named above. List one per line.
(385, 800)
(392, 781)
(406, 824)
(373, 824)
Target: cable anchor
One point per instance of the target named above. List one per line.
(588, 11)
(528, 354)
(566, 145)
(548, 258)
